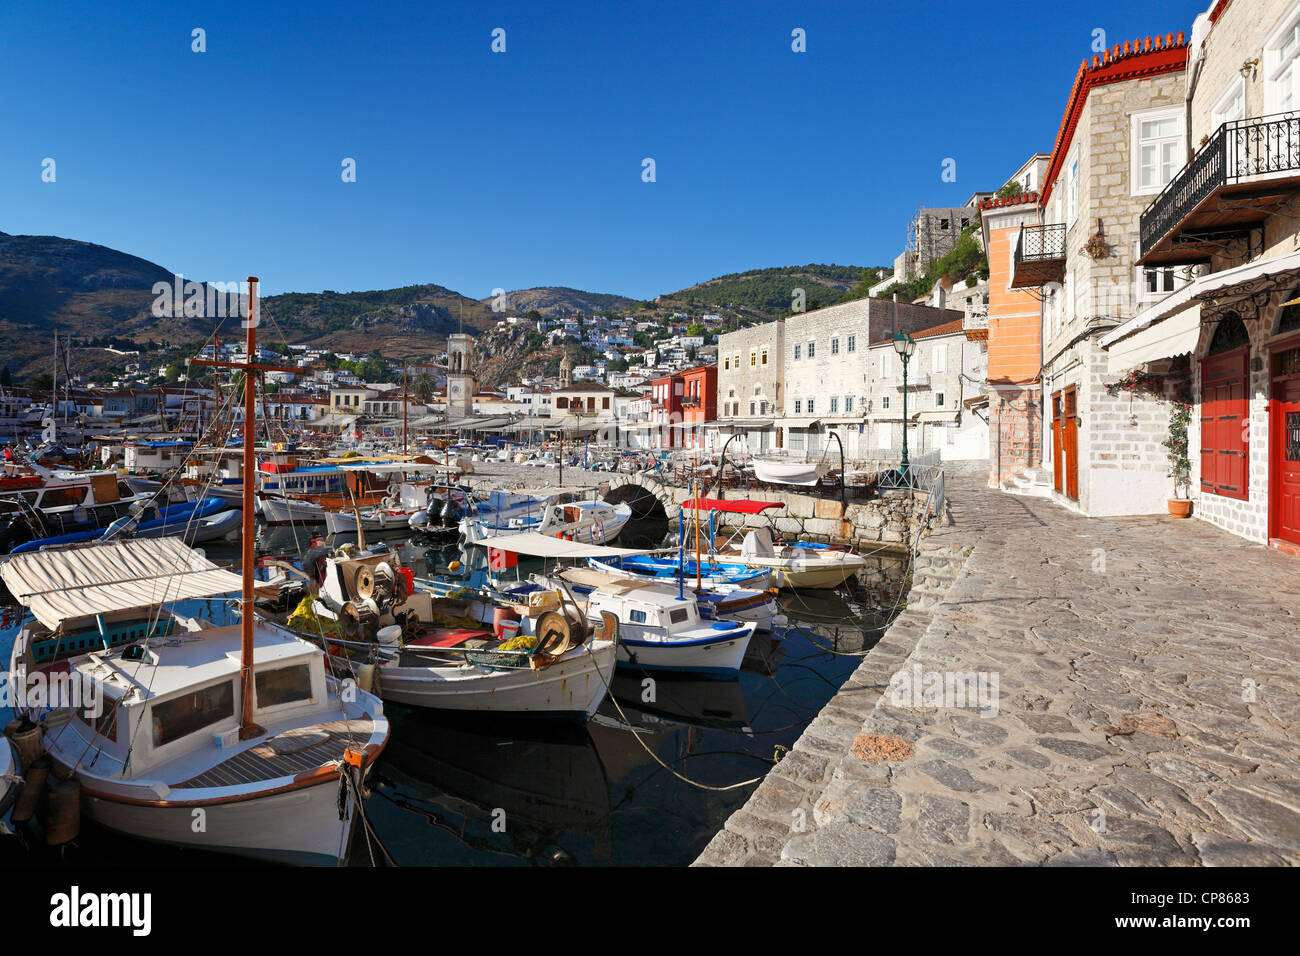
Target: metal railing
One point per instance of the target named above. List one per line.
(1041, 243)
(1238, 150)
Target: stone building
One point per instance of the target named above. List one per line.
(462, 382)
(1231, 214)
(751, 384)
(828, 374)
(1119, 144)
(945, 375)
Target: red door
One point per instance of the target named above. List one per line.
(1070, 442)
(1284, 456)
(1056, 443)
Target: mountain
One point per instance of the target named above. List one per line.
(103, 297)
(771, 292)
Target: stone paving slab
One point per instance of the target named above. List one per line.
(1147, 706)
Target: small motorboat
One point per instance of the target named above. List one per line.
(709, 574)
(781, 472)
(751, 605)
(799, 565)
(662, 630)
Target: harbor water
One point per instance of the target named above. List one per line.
(471, 790)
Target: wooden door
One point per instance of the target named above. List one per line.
(1057, 472)
(1070, 442)
(1284, 459)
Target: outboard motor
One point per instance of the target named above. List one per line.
(14, 531)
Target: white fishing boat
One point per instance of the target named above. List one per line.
(802, 565)
(782, 472)
(751, 605)
(277, 510)
(659, 630)
(438, 646)
(163, 720)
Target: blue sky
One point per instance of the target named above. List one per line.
(478, 169)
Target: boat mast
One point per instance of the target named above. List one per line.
(247, 728)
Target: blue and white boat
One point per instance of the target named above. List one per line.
(671, 570)
(207, 519)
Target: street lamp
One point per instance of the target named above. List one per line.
(905, 345)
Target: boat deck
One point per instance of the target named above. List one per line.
(299, 751)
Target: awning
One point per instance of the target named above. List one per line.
(740, 506)
(1218, 289)
(801, 422)
(1174, 336)
(544, 546)
(58, 586)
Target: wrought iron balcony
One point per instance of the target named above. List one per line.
(1039, 257)
(1247, 170)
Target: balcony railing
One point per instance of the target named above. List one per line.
(1039, 257)
(1239, 151)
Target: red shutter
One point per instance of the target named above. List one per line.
(1225, 446)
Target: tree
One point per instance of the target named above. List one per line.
(5, 378)
(173, 372)
(43, 382)
(424, 387)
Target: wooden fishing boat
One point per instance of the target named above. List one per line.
(230, 738)
(782, 472)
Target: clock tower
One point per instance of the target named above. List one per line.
(461, 382)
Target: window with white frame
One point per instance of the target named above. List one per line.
(884, 363)
(1231, 105)
(798, 406)
(1157, 149)
(1156, 282)
(1282, 65)
(848, 403)
(939, 359)
(796, 352)
(835, 405)
(853, 343)
(835, 345)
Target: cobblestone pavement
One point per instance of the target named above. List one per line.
(1148, 706)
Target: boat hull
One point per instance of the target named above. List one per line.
(572, 687)
(713, 657)
(290, 511)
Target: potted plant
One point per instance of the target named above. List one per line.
(1180, 466)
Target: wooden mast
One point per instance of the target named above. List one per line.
(404, 404)
(247, 728)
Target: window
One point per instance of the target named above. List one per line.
(798, 406)
(64, 497)
(943, 223)
(884, 401)
(938, 399)
(678, 614)
(637, 617)
(284, 685)
(762, 408)
(835, 346)
(1157, 149)
(1281, 69)
(810, 406)
(812, 349)
(1072, 187)
(884, 363)
(753, 358)
(173, 719)
(848, 403)
(939, 360)
(1231, 105)
(835, 405)
(853, 343)
(764, 359)
(726, 364)
(751, 409)
(796, 352)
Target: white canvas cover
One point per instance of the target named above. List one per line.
(57, 586)
(544, 546)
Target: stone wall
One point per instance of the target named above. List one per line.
(890, 520)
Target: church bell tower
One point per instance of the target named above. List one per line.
(461, 381)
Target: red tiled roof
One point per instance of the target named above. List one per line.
(996, 203)
(948, 328)
(1128, 61)
(1218, 10)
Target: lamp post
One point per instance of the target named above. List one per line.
(905, 345)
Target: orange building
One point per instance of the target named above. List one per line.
(699, 402)
(1015, 343)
